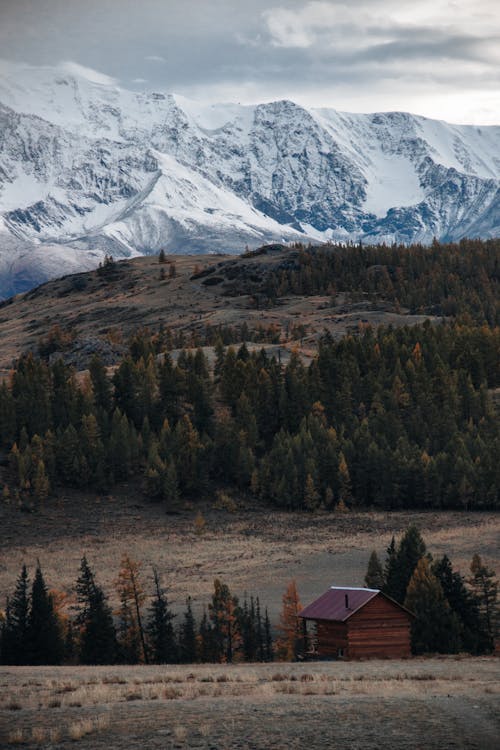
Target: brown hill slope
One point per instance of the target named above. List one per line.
(100, 309)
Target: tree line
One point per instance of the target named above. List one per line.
(393, 418)
(460, 280)
(452, 614)
(47, 627)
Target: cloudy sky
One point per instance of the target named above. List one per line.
(439, 58)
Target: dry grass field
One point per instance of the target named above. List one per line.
(436, 704)
(256, 551)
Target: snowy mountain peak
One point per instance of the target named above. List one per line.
(97, 168)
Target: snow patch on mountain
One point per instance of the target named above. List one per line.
(90, 166)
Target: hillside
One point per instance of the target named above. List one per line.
(102, 311)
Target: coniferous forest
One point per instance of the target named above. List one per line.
(392, 418)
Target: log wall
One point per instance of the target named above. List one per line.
(330, 636)
(379, 629)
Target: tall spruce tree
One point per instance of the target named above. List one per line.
(473, 634)
(97, 638)
(45, 638)
(187, 635)
(160, 630)
(15, 635)
(374, 577)
(435, 627)
(485, 587)
(410, 550)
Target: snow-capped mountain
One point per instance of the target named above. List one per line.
(87, 168)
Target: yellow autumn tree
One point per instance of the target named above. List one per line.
(290, 642)
(132, 597)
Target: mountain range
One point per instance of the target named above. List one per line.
(88, 168)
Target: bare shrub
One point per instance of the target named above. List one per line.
(79, 729)
(38, 734)
(279, 677)
(180, 733)
(15, 737)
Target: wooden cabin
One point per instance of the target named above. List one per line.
(356, 623)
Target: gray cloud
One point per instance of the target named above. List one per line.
(358, 54)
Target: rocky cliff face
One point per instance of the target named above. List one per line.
(88, 168)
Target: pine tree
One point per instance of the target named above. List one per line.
(473, 634)
(374, 578)
(269, 650)
(101, 385)
(46, 643)
(15, 632)
(160, 629)
(435, 627)
(97, 637)
(410, 550)
(187, 636)
(485, 586)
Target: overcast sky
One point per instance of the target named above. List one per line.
(439, 58)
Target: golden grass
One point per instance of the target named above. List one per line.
(239, 548)
(92, 697)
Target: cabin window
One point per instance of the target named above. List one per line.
(340, 652)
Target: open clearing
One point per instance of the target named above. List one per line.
(436, 704)
(257, 551)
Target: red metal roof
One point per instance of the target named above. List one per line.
(332, 604)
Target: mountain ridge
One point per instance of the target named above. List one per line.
(90, 168)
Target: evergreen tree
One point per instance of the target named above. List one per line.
(97, 637)
(160, 628)
(46, 643)
(187, 636)
(435, 627)
(410, 550)
(268, 638)
(485, 587)
(15, 631)
(374, 578)
(473, 635)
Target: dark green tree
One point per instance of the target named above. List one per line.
(97, 637)
(485, 587)
(46, 643)
(435, 627)
(187, 636)
(160, 630)
(15, 631)
(374, 578)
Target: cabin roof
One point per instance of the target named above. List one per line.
(332, 604)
